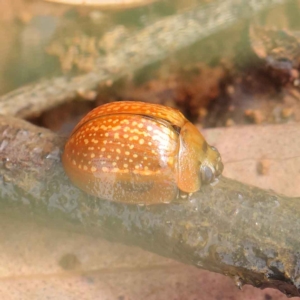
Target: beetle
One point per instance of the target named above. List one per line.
(140, 153)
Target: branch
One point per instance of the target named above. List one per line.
(151, 44)
(245, 232)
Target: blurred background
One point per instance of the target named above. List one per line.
(238, 69)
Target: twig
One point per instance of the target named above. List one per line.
(147, 46)
(247, 233)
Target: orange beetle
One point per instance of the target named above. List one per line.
(141, 153)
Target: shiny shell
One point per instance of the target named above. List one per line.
(140, 153)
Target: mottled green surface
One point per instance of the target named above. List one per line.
(231, 228)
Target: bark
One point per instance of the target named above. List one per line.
(149, 45)
(231, 228)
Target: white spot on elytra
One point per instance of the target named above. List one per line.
(116, 128)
